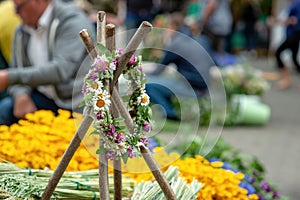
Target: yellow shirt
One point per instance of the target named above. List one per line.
(8, 23)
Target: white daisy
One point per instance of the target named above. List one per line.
(101, 101)
(144, 99)
(95, 86)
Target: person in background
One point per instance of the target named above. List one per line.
(138, 11)
(47, 53)
(191, 61)
(292, 23)
(114, 9)
(193, 10)
(8, 23)
(216, 22)
(249, 17)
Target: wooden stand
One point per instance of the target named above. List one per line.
(106, 36)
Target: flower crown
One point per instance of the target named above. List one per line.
(117, 141)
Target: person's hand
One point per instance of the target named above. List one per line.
(23, 105)
(291, 21)
(3, 80)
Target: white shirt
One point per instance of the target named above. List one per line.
(38, 46)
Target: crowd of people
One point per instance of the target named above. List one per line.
(41, 52)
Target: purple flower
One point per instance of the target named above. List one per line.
(261, 197)
(111, 131)
(93, 76)
(265, 186)
(110, 155)
(132, 60)
(120, 51)
(99, 116)
(99, 65)
(140, 68)
(131, 153)
(83, 89)
(130, 91)
(115, 61)
(119, 138)
(144, 140)
(147, 126)
(276, 195)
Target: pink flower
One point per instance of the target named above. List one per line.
(140, 68)
(83, 89)
(93, 76)
(111, 131)
(110, 155)
(147, 126)
(99, 116)
(99, 65)
(120, 51)
(131, 153)
(144, 140)
(119, 138)
(132, 60)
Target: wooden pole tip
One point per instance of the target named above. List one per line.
(101, 16)
(84, 33)
(147, 24)
(110, 26)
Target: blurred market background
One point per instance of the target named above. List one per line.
(271, 134)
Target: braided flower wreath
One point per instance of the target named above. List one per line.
(116, 141)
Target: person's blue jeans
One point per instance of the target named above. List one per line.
(41, 102)
(162, 89)
(161, 95)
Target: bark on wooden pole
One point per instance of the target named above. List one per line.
(63, 164)
(133, 44)
(103, 161)
(111, 46)
(101, 23)
(157, 173)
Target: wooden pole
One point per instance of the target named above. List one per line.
(157, 173)
(103, 161)
(101, 23)
(144, 28)
(133, 44)
(111, 45)
(63, 164)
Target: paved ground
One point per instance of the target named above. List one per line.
(277, 143)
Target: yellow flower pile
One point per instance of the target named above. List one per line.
(219, 184)
(41, 139)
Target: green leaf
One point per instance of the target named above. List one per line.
(103, 50)
(81, 104)
(95, 132)
(101, 150)
(118, 119)
(121, 129)
(125, 157)
(144, 81)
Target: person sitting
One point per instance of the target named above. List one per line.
(192, 62)
(47, 53)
